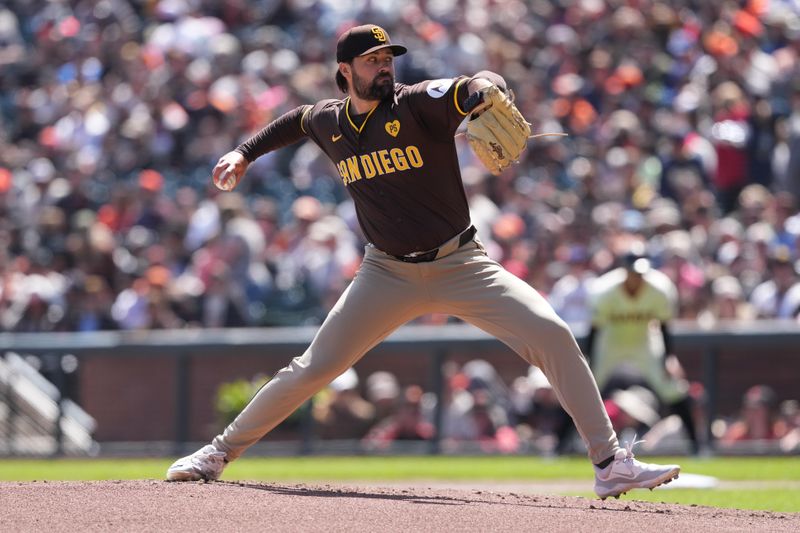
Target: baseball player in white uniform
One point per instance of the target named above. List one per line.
(631, 308)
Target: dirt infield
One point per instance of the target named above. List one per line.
(151, 505)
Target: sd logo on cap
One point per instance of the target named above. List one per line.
(363, 40)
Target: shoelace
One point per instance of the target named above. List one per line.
(629, 447)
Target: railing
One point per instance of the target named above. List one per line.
(435, 341)
(35, 418)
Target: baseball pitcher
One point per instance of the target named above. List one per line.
(394, 148)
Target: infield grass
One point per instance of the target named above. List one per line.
(764, 483)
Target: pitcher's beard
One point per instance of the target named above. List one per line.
(378, 89)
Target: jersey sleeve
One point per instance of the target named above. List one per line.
(437, 104)
(283, 131)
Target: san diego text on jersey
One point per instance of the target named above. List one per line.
(378, 163)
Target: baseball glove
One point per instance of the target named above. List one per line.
(496, 131)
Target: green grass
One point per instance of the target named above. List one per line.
(764, 483)
(772, 499)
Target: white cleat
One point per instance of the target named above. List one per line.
(626, 473)
(207, 464)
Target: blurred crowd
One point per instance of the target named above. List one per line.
(683, 120)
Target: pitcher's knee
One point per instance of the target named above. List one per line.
(554, 337)
(556, 330)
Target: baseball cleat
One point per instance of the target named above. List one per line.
(626, 473)
(207, 464)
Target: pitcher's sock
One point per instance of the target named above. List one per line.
(602, 464)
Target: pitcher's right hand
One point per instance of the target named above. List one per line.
(229, 171)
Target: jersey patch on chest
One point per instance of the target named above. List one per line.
(393, 128)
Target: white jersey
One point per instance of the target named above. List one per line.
(628, 332)
(629, 326)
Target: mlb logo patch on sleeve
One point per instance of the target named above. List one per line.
(438, 88)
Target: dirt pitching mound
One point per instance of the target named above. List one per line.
(150, 505)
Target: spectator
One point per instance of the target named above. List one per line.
(407, 424)
(773, 298)
(727, 302)
(758, 419)
(477, 409)
(541, 421)
(570, 294)
(490, 425)
(147, 304)
(383, 392)
(682, 171)
(222, 303)
(730, 132)
(341, 412)
(89, 306)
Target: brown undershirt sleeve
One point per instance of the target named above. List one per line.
(283, 131)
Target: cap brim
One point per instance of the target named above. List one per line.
(397, 49)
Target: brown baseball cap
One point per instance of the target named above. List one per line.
(363, 40)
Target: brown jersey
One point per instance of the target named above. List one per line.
(400, 164)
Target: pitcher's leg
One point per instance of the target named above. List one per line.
(369, 310)
(498, 302)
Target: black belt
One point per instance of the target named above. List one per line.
(427, 257)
